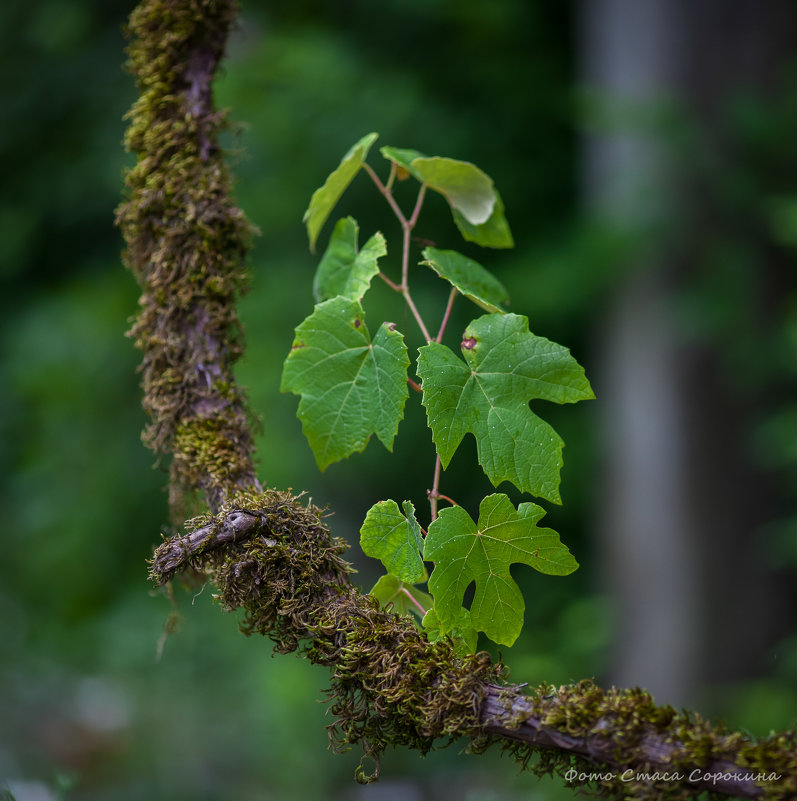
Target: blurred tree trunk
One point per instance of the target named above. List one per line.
(681, 501)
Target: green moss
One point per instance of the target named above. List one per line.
(207, 455)
(390, 686)
(645, 748)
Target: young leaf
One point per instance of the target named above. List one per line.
(463, 634)
(469, 277)
(395, 539)
(494, 233)
(343, 270)
(466, 188)
(391, 590)
(325, 197)
(350, 386)
(465, 552)
(403, 158)
(488, 395)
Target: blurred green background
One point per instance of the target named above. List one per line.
(645, 154)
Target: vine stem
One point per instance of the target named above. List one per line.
(388, 195)
(406, 227)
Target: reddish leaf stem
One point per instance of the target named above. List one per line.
(394, 286)
(406, 226)
(418, 205)
(452, 296)
(388, 195)
(414, 601)
(433, 493)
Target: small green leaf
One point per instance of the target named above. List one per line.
(469, 277)
(391, 590)
(403, 158)
(325, 197)
(465, 552)
(343, 270)
(463, 634)
(350, 386)
(488, 395)
(395, 539)
(494, 233)
(466, 188)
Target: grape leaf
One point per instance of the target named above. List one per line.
(488, 395)
(325, 197)
(395, 539)
(494, 233)
(391, 590)
(343, 270)
(463, 634)
(350, 386)
(469, 277)
(466, 188)
(465, 552)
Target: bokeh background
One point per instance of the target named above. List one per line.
(645, 151)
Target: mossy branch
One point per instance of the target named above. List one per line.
(186, 244)
(271, 555)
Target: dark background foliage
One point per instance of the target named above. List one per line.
(681, 287)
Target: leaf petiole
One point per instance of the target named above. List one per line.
(416, 314)
(415, 603)
(434, 494)
(394, 286)
(392, 177)
(451, 297)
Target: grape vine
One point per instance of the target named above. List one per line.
(353, 385)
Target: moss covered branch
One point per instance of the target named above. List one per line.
(186, 244)
(271, 555)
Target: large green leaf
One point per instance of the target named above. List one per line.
(391, 590)
(395, 539)
(488, 395)
(343, 269)
(463, 634)
(350, 386)
(469, 277)
(465, 552)
(325, 197)
(494, 233)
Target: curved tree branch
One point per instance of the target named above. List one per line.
(272, 556)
